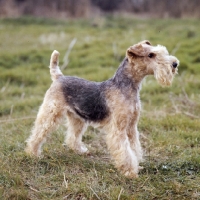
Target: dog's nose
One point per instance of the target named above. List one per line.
(174, 64)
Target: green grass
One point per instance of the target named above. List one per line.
(169, 123)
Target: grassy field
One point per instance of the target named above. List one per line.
(169, 123)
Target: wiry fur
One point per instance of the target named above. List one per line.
(112, 105)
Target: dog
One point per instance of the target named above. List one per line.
(113, 105)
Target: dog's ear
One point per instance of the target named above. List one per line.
(134, 51)
(141, 49)
(146, 42)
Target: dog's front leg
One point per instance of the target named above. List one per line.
(134, 138)
(118, 144)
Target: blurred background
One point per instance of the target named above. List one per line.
(90, 8)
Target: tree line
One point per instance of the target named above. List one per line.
(88, 8)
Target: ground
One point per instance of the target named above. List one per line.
(169, 123)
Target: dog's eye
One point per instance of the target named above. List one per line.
(151, 55)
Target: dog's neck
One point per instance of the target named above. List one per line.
(126, 77)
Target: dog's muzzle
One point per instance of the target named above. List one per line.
(174, 64)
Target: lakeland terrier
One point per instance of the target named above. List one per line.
(113, 105)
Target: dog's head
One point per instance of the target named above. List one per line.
(153, 60)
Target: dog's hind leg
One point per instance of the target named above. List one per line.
(49, 116)
(75, 130)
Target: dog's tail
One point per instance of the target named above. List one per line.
(54, 68)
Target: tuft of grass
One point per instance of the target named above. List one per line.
(169, 123)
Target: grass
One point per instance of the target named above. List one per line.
(169, 123)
